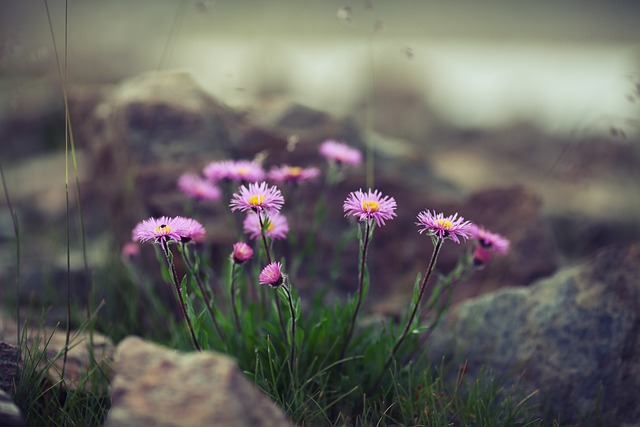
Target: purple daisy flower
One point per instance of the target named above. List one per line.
(246, 171)
(218, 170)
(340, 153)
(293, 175)
(370, 205)
(241, 253)
(163, 229)
(443, 227)
(258, 198)
(277, 229)
(198, 188)
(191, 230)
(490, 241)
(272, 275)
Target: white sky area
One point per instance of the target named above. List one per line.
(471, 84)
(560, 66)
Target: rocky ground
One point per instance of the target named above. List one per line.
(568, 205)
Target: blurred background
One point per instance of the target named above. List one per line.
(529, 105)
(560, 67)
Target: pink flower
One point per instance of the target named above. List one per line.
(372, 204)
(219, 170)
(490, 241)
(277, 227)
(272, 275)
(293, 175)
(192, 230)
(198, 188)
(129, 251)
(241, 253)
(246, 171)
(488, 244)
(340, 153)
(450, 227)
(164, 229)
(258, 198)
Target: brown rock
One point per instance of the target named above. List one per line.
(161, 387)
(80, 359)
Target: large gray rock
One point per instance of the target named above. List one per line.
(157, 386)
(575, 336)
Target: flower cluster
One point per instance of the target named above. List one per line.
(164, 229)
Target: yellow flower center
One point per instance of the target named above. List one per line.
(295, 171)
(256, 200)
(162, 229)
(270, 226)
(444, 223)
(370, 205)
(242, 171)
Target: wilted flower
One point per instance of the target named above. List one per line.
(488, 243)
(258, 198)
(488, 240)
(340, 153)
(370, 205)
(293, 174)
(272, 275)
(241, 253)
(443, 227)
(198, 188)
(163, 229)
(277, 227)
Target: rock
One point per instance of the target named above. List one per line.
(10, 367)
(146, 132)
(516, 213)
(575, 336)
(10, 415)
(80, 359)
(161, 387)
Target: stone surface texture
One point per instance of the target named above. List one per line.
(10, 415)
(79, 356)
(575, 336)
(161, 387)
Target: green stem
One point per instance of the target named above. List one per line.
(292, 356)
(423, 287)
(207, 299)
(234, 308)
(176, 283)
(363, 262)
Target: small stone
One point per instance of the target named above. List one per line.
(10, 415)
(157, 386)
